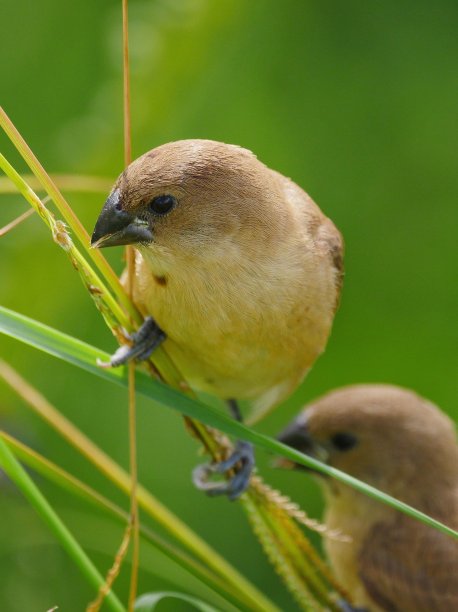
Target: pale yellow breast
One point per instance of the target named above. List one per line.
(244, 332)
(246, 317)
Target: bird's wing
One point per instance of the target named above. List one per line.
(406, 566)
(327, 238)
(331, 243)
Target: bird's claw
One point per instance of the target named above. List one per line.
(241, 460)
(144, 341)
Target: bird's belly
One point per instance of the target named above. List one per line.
(233, 342)
(230, 369)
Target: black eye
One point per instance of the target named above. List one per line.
(162, 204)
(344, 441)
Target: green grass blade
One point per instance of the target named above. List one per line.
(149, 601)
(238, 585)
(77, 488)
(84, 356)
(23, 481)
(62, 205)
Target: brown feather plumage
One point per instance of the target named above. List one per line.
(406, 447)
(243, 276)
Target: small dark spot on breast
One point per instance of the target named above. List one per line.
(160, 280)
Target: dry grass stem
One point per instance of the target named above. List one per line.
(113, 571)
(130, 258)
(12, 224)
(74, 183)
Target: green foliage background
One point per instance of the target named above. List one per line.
(356, 102)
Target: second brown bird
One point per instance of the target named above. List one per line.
(404, 445)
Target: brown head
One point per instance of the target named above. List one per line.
(190, 195)
(386, 436)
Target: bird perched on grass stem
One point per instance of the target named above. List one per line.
(404, 445)
(237, 271)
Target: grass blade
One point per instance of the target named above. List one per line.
(63, 206)
(84, 356)
(149, 601)
(77, 488)
(15, 222)
(247, 596)
(23, 481)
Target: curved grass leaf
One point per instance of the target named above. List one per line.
(149, 601)
(84, 356)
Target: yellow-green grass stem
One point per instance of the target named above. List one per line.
(83, 355)
(54, 473)
(244, 590)
(109, 306)
(22, 480)
(67, 213)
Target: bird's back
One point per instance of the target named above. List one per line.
(407, 566)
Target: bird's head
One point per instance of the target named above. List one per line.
(384, 435)
(189, 196)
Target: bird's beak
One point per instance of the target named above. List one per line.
(296, 435)
(116, 226)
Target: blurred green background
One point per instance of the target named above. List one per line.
(356, 101)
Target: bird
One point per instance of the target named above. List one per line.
(237, 272)
(401, 443)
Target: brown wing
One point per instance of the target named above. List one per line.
(331, 241)
(408, 567)
(328, 240)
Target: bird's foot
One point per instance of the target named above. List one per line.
(241, 461)
(144, 341)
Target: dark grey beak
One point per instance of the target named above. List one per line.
(116, 226)
(296, 435)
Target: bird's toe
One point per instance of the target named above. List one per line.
(241, 461)
(144, 341)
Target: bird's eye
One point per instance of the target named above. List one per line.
(161, 205)
(344, 441)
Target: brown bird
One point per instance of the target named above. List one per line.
(237, 271)
(404, 445)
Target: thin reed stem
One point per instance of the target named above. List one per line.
(247, 593)
(130, 257)
(76, 487)
(12, 224)
(67, 212)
